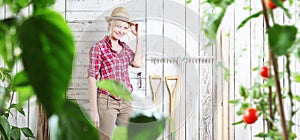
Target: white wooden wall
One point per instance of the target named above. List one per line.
(241, 51)
(164, 33)
(169, 28)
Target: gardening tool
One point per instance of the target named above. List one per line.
(172, 94)
(154, 92)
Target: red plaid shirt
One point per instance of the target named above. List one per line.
(106, 63)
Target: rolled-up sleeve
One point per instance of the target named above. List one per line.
(94, 61)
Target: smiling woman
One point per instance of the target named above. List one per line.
(110, 59)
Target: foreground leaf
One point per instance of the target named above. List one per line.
(281, 38)
(115, 88)
(15, 133)
(23, 88)
(72, 124)
(120, 133)
(4, 127)
(142, 127)
(27, 132)
(48, 54)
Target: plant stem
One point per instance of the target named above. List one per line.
(274, 62)
(290, 94)
(270, 99)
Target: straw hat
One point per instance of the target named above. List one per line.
(119, 13)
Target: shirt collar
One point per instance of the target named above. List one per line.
(107, 40)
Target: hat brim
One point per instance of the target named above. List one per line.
(108, 19)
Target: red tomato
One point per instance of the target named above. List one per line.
(270, 4)
(264, 72)
(250, 115)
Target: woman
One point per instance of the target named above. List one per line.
(110, 59)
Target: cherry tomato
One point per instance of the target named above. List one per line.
(264, 72)
(270, 4)
(250, 115)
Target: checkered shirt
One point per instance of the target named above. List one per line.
(105, 63)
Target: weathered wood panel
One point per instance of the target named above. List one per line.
(192, 75)
(166, 34)
(255, 56)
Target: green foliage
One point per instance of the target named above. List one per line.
(23, 87)
(71, 123)
(281, 38)
(116, 88)
(211, 21)
(141, 127)
(249, 18)
(8, 41)
(51, 41)
(40, 4)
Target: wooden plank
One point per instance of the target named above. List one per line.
(33, 116)
(154, 48)
(242, 66)
(174, 46)
(72, 16)
(192, 74)
(60, 7)
(257, 54)
(74, 5)
(88, 36)
(296, 85)
(2, 12)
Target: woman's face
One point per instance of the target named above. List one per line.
(118, 29)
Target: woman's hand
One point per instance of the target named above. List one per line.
(95, 118)
(135, 29)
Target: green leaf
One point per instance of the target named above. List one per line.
(52, 45)
(115, 88)
(270, 82)
(15, 133)
(211, 23)
(5, 74)
(27, 132)
(296, 77)
(72, 124)
(120, 133)
(220, 3)
(23, 88)
(261, 135)
(243, 92)
(239, 122)
(9, 46)
(145, 128)
(235, 102)
(293, 135)
(281, 38)
(255, 94)
(255, 15)
(4, 127)
(188, 1)
(43, 3)
(296, 97)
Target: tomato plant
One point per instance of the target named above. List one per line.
(283, 42)
(264, 72)
(250, 115)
